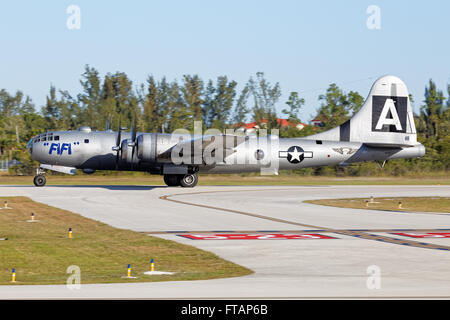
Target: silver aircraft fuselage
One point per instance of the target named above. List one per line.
(93, 150)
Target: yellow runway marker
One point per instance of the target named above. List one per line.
(129, 273)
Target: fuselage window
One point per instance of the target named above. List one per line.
(86, 140)
(56, 138)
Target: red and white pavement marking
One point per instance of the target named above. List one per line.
(424, 235)
(246, 236)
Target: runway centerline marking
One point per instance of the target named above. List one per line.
(352, 233)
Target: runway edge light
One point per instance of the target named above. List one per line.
(70, 233)
(152, 265)
(13, 276)
(129, 271)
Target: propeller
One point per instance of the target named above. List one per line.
(133, 141)
(117, 147)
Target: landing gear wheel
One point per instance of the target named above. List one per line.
(189, 180)
(171, 180)
(39, 181)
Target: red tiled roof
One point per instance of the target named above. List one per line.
(283, 122)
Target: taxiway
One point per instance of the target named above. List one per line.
(298, 268)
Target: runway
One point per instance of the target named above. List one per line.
(334, 265)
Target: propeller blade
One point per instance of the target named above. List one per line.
(133, 134)
(133, 139)
(117, 147)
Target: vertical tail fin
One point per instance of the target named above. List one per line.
(385, 119)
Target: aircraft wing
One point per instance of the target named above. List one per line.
(207, 150)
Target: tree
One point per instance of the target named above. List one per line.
(265, 96)
(155, 105)
(241, 109)
(218, 102)
(118, 101)
(294, 103)
(192, 93)
(179, 116)
(90, 98)
(337, 107)
(432, 110)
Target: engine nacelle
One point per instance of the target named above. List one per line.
(153, 147)
(126, 151)
(146, 147)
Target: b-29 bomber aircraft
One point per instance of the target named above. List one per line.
(383, 129)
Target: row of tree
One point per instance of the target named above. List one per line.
(163, 106)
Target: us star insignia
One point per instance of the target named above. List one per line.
(295, 154)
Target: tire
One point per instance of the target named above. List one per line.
(189, 180)
(171, 180)
(39, 181)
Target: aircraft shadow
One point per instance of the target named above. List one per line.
(109, 187)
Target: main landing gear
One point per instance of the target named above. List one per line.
(184, 180)
(39, 179)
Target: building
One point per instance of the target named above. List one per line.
(317, 123)
(251, 127)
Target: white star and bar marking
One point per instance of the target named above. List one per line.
(295, 154)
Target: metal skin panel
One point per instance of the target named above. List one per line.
(362, 138)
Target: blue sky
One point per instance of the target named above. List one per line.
(304, 46)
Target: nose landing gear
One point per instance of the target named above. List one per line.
(39, 180)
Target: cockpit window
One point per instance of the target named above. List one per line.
(56, 138)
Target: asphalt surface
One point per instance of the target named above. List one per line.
(361, 241)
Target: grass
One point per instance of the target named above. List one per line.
(419, 204)
(230, 179)
(41, 252)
